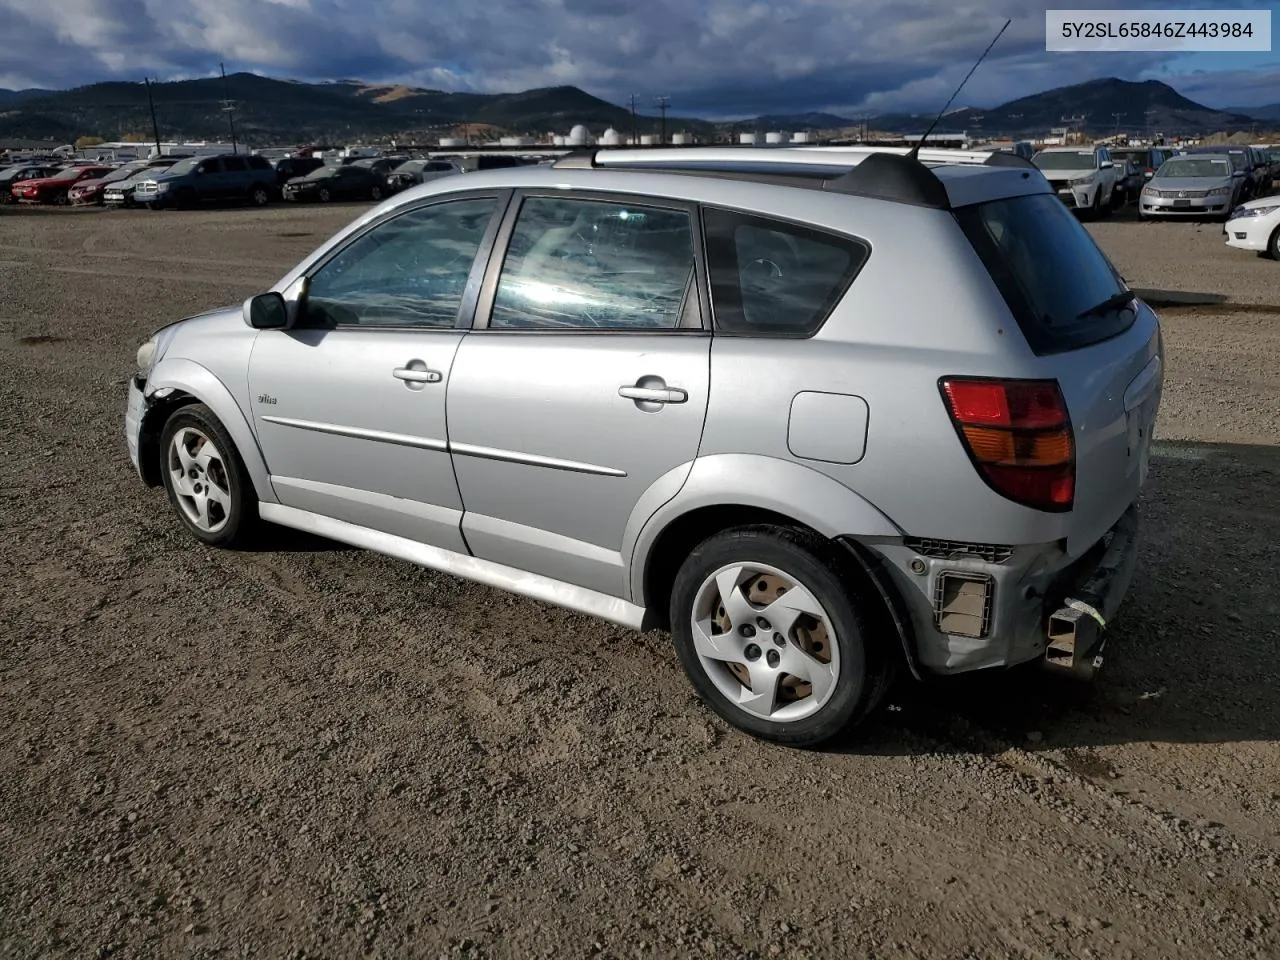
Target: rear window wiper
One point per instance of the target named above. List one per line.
(1115, 302)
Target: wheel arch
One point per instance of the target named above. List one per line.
(738, 490)
(174, 384)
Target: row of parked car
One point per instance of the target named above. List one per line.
(192, 181)
(1202, 181)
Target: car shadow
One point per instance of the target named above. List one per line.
(277, 539)
(1193, 656)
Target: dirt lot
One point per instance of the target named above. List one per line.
(314, 752)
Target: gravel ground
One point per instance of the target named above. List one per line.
(316, 752)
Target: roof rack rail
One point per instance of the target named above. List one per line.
(577, 160)
(886, 173)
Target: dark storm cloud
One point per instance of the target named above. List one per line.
(713, 57)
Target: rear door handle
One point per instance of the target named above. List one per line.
(416, 376)
(653, 394)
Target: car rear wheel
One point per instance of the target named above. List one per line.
(207, 483)
(772, 630)
(375, 192)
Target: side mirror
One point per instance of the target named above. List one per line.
(266, 311)
(1107, 164)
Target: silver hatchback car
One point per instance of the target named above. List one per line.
(822, 414)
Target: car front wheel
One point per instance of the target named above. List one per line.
(208, 486)
(773, 632)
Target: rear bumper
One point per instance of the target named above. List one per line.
(970, 611)
(1077, 630)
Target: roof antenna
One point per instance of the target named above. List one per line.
(914, 153)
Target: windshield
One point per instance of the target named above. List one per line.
(411, 166)
(121, 173)
(320, 173)
(184, 166)
(68, 174)
(1068, 160)
(1049, 269)
(1186, 167)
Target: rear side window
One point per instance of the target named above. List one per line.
(1050, 271)
(774, 278)
(259, 163)
(233, 165)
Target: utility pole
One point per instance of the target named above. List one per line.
(635, 130)
(662, 103)
(155, 127)
(229, 108)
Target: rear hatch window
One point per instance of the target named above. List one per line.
(1063, 291)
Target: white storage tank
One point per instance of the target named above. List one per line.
(682, 139)
(610, 138)
(579, 136)
(648, 139)
(773, 137)
(800, 137)
(452, 142)
(514, 142)
(747, 139)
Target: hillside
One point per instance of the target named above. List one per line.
(271, 110)
(1139, 106)
(1270, 112)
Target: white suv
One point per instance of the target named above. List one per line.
(1083, 177)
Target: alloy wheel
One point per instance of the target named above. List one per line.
(200, 479)
(765, 641)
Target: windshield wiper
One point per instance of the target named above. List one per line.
(1115, 302)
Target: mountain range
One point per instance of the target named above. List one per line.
(268, 110)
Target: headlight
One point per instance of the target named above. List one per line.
(161, 187)
(1240, 212)
(1219, 191)
(1150, 192)
(147, 357)
(1080, 182)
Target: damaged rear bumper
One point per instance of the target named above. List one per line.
(1077, 629)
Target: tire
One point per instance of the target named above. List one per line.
(259, 196)
(375, 192)
(1273, 245)
(229, 519)
(323, 195)
(736, 644)
(62, 198)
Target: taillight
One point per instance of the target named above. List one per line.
(1018, 434)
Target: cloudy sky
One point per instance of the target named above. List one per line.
(712, 57)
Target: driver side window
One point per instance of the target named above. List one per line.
(410, 271)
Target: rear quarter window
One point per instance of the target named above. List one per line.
(1049, 269)
(774, 278)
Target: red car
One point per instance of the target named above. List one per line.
(56, 189)
(90, 191)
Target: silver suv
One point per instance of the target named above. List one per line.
(820, 413)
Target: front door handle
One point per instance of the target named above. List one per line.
(653, 394)
(416, 375)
